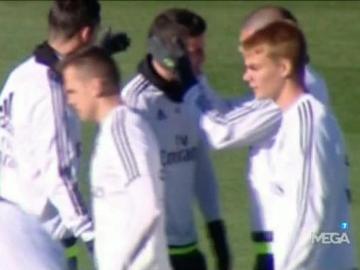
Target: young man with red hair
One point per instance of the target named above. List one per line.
(299, 173)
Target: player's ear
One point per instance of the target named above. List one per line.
(86, 34)
(96, 87)
(285, 67)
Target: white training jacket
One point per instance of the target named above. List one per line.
(187, 169)
(24, 244)
(127, 195)
(298, 182)
(40, 150)
(244, 121)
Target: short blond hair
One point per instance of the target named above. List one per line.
(280, 39)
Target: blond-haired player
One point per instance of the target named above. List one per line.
(299, 172)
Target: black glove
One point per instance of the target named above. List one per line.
(185, 73)
(217, 233)
(172, 56)
(90, 247)
(264, 262)
(264, 259)
(71, 252)
(116, 42)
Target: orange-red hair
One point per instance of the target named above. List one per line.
(280, 39)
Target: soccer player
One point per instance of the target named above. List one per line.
(262, 16)
(300, 172)
(188, 173)
(40, 140)
(126, 182)
(24, 244)
(314, 83)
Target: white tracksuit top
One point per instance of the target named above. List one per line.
(127, 194)
(187, 169)
(40, 150)
(298, 182)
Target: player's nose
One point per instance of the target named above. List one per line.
(70, 101)
(246, 76)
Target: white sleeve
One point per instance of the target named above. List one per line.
(24, 244)
(53, 158)
(323, 205)
(128, 212)
(222, 104)
(245, 123)
(206, 186)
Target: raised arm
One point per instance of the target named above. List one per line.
(245, 122)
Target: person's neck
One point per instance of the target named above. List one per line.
(289, 95)
(105, 106)
(63, 47)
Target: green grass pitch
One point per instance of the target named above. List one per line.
(332, 30)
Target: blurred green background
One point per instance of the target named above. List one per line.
(333, 33)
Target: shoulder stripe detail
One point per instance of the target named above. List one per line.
(134, 84)
(305, 113)
(301, 122)
(226, 119)
(141, 88)
(231, 117)
(307, 145)
(62, 142)
(234, 115)
(123, 147)
(241, 112)
(306, 116)
(135, 89)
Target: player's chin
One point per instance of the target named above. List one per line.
(82, 116)
(258, 94)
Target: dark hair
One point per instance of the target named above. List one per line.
(94, 61)
(67, 17)
(286, 14)
(181, 23)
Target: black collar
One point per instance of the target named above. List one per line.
(46, 55)
(172, 89)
